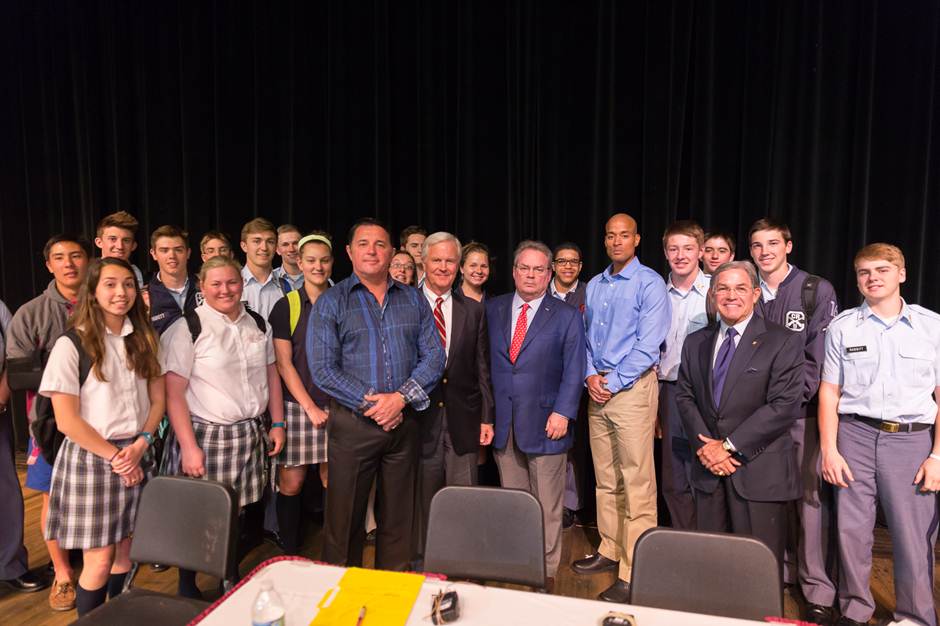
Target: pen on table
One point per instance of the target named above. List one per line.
(362, 616)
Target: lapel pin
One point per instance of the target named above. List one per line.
(754, 343)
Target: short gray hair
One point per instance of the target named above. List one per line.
(737, 265)
(530, 244)
(436, 238)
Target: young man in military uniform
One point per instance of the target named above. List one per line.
(878, 443)
(804, 304)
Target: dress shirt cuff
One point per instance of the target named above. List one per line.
(731, 444)
(591, 371)
(414, 394)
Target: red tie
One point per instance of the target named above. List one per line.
(518, 335)
(439, 321)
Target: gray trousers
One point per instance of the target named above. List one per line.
(13, 557)
(811, 556)
(884, 466)
(543, 475)
(676, 460)
(443, 467)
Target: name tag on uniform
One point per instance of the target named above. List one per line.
(854, 349)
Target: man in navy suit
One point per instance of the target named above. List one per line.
(740, 389)
(537, 360)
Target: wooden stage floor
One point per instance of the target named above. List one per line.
(33, 608)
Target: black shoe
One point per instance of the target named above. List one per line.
(617, 592)
(27, 583)
(159, 567)
(567, 519)
(594, 564)
(845, 621)
(817, 614)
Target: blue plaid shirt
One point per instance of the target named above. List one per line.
(356, 347)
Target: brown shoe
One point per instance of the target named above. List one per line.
(62, 596)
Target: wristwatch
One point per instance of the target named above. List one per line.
(726, 446)
(147, 437)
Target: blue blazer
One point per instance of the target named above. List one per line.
(548, 375)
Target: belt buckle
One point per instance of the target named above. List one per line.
(891, 427)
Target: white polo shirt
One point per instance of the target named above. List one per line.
(226, 368)
(118, 408)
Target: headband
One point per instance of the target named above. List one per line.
(309, 238)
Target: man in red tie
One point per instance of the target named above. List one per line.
(537, 362)
(460, 417)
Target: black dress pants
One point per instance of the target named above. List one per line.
(13, 557)
(359, 451)
(724, 510)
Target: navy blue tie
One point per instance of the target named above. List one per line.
(725, 353)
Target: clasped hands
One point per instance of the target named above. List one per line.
(386, 409)
(715, 458)
(126, 463)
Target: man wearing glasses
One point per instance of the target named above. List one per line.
(579, 477)
(627, 317)
(537, 366)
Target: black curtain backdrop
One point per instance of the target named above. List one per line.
(497, 120)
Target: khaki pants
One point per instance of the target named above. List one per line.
(622, 446)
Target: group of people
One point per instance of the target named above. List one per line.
(780, 417)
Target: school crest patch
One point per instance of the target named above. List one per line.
(795, 321)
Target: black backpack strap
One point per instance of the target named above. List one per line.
(808, 295)
(194, 323)
(262, 325)
(84, 359)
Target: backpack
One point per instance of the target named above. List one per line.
(195, 324)
(293, 301)
(43, 428)
(808, 295)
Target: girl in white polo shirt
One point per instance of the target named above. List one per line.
(218, 388)
(108, 423)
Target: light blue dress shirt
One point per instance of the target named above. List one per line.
(517, 303)
(768, 294)
(627, 317)
(261, 297)
(886, 370)
(295, 282)
(688, 315)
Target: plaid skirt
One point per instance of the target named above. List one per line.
(305, 444)
(89, 506)
(236, 455)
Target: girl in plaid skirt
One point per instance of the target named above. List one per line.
(108, 423)
(220, 381)
(305, 406)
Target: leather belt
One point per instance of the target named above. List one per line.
(892, 427)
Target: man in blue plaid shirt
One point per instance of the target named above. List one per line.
(373, 347)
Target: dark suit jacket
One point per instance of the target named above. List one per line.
(464, 391)
(548, 374)
(761, 398)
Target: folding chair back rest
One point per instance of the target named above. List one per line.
(711, 573)
(486, 533)
(187, 523)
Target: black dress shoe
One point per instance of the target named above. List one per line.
(567, 519)
(818, 614)
(27, 583)
(845, 621)
(617, 592)
(593, 564)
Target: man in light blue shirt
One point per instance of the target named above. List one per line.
(626, 319)
(877, 411)
(687, 287)
(262, 288)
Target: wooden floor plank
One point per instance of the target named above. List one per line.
(578, 541)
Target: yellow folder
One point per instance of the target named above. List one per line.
(387, 597)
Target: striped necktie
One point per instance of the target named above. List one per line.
(439, 321)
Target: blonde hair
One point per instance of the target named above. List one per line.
(880, 251)
(217, 262)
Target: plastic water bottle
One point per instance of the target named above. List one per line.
(268, 608)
